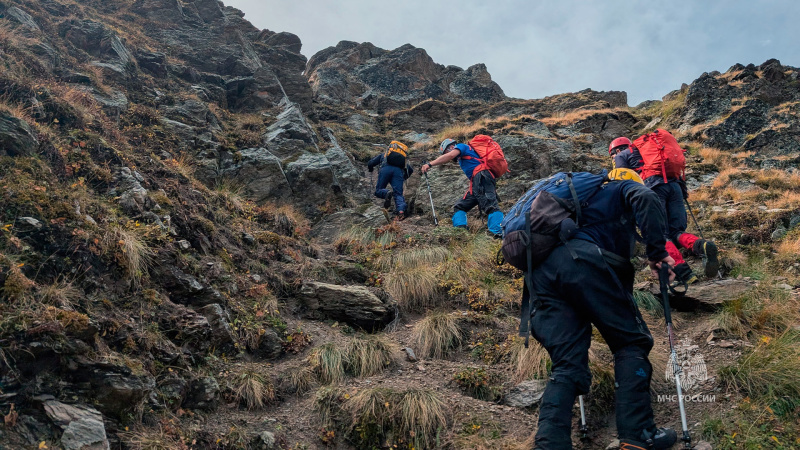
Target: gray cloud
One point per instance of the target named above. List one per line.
(537, 48)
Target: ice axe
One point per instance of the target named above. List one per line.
(663, 278)
(430, 196)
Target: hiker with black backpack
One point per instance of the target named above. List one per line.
(573, 236)
(394, 171)
(482, 161)
(660, 161)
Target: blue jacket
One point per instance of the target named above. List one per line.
(471, 162)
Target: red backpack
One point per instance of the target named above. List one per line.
(490, 153)
(661, 155)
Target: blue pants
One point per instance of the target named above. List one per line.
(394, 176)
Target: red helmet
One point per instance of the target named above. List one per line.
(620, 141)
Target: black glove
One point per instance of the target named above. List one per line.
(409, 170)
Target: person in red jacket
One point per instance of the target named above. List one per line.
(672, 193)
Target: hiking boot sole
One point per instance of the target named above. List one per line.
(712, 260)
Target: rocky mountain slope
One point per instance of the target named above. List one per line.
(191, 256)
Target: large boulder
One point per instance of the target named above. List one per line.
(82, 425)
(16, 136)
(354, 305)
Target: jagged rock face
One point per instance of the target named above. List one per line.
(253, 67)
(377, 79)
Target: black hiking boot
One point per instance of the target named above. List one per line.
(684, 274)
(387, 202)
(708, 250)
(662, 439)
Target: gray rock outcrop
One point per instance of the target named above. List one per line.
(16, 136)
(354, 305)
(381, 80)
(83, 426)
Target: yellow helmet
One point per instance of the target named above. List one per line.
(624, 174)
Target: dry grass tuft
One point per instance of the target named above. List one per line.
(300, 379)
(328, 362)
(415, 289)
(569, 117)
(771, 371)
(328, 405)
(130, 250)
(437, 334)
(160, 438)
(61, 294)
(413, 279)
(253, 389)
(529, 363)
(422, 416)
(764, 308)
(775, 179)
(713, 156)
(368, 356)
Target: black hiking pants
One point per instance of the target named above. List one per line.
(483, 194)
(572, 295)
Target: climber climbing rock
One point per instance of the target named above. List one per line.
(482, 172)
(665, 176)
(395, 170)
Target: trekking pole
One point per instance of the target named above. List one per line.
(663, 279)
(430, 196)
(699, 230)
(583, 429)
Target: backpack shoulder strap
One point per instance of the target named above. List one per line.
(528, 294)
(575, 199)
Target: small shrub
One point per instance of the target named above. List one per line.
(328, 362)
(328, 405)
(368, 356)
(253, 389)
(297, 342)
(437, 334)
(478, 383)
(371, 414)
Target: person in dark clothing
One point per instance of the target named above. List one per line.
(482, 190)
(672, 193)
(394, 176)
(589, 280)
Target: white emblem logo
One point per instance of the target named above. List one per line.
(692, 365)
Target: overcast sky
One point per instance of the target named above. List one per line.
(537, 48)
